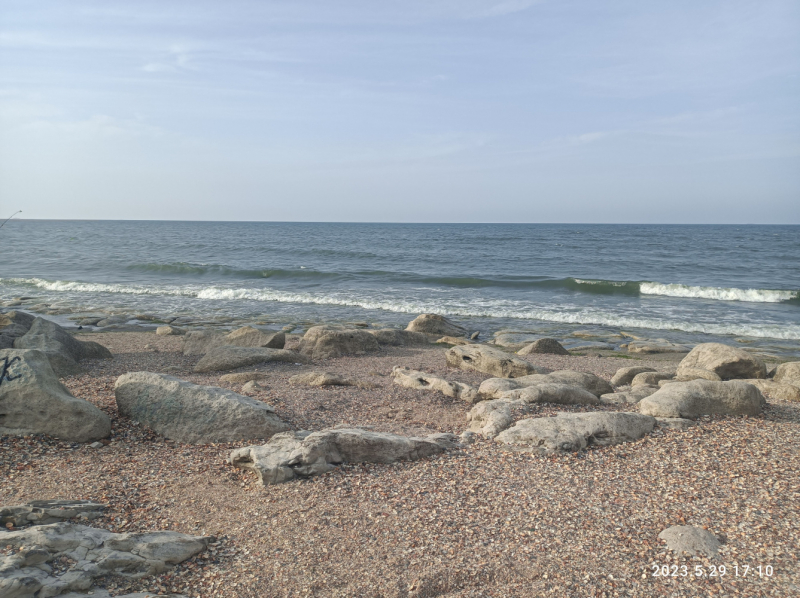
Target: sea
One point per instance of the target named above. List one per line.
(582, 283)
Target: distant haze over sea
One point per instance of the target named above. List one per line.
(686, 284)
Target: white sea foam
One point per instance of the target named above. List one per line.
(717, 293)
(452, 306)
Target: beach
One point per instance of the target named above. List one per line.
(475, 521)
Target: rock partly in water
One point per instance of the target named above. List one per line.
(788, 373)
(33, 401)
(624, 376)
(323, 342)
(657, 346)
(227, 357)
(489, 360)
(692, 540)
(192, 413)
(544, 346)
(727, 362)
(420, 380)
(489, 418)
(703, 397)
(575, 431)
(292, 455)
(322, 379)
(62, 349)
(560, 394)
(435, 324)
(96, 552)
(399, 338)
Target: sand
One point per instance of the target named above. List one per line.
(479, 521)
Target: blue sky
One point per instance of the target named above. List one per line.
(426, 111)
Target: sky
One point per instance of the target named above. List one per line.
(401, 111)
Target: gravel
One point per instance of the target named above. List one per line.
(474, 522)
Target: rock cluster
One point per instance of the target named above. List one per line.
(489, 360)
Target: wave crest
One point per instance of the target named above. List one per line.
(717, 293)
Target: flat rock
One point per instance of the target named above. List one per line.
(727, 362)
(626, 375)
(420, 380)
(544, 346)
(97, 552)
(575, 431)
(560, 394)
(227, 357)
(632, 396)
(659, 346)
(33, 401)
(323, 342)
(489, 360)
(170, 331)
(243, 377)
(192, 413)
(489, 418)
(788, 373)
(292, 455)
(42, 512)
(253, 337)
(436, 324)
(692, 540)
(687, 374)
(322, 379)
(399, 338)
(703, 397)
(63, 351)
(453, 340)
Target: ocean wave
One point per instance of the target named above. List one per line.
(391, 300)
(717, 293)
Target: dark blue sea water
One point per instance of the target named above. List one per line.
(681, 283)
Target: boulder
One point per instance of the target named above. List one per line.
(626, 375)
(14, 324)
(776, 390)
(62, 349)
(191, 413)
(322, 379)
(562, 394)
(546, 346)
(453, 340)
(243, 377)
(420, 380)
(169, 331)
(489, 418)
(33, 401)
(399, 338)
(594, 384)
(693, 540)
(788, 373)
(575, 431)
(727, 362)
(689, 374)
(632, 396)
(303, 454)
(489, 361)
(703, 397)
(650, 378)
(96, 552)
(198, 342)
(322, 342)
(435, 324)
(228, 357)
(253, 337)
(43, 512)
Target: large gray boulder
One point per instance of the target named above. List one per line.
(191, 413)
(561, 394)
(323, 342)
(575, 431)
(626, 375)
(33, 401)
(303, 454)
(421, 380)
(594, 384)
(727, 362)
(62, 349)
(788, 373)
(776, 390)
(399, 338)
(650, 379)
(200, 342)
(692, 540)
(489, 418)
(544, 346)
(14, 324)
(36, 570)
(690, 400)
(228, 357)
(489, 360)
(435, 324)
